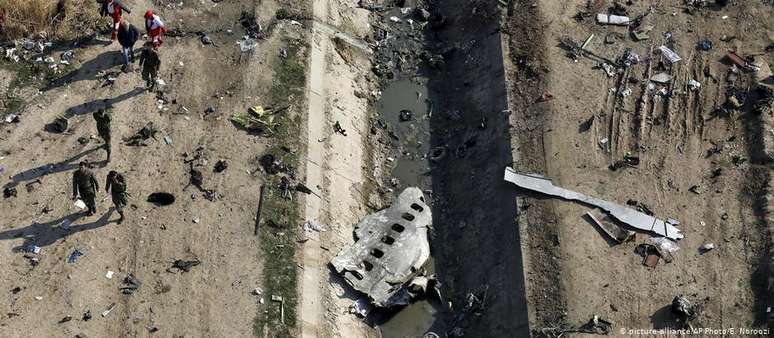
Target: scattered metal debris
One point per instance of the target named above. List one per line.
(391, 247)
(109, 309)
(74, 256)
(595, 325)
(684, 310)
(338, 129)
(669, 54)
(629, 216)
(139, 138)
(617, 20)
(184, 265)
(131, 285)
(613, 231)
(706, 247)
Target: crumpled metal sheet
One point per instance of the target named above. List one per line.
(391, 247)
(629, 216)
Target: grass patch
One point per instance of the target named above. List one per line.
(281, 218)
(60, 19)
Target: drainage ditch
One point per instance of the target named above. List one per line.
(444, 113)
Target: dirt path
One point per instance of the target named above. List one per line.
(335, 164)
(213, 299)
(311, 309)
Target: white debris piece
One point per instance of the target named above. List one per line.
(694, 85)
(613, 19)
(661, 78)
(629, 216)
(246, 44)
(669, 54)
(312, 225)
(665, 244)
(80, 204)
(706, 247)
(391, 247)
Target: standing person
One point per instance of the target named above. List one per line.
(103, 118)
(85, 185)
(127, 36)
(154, 27)
(150, 63)
(117, 184)
(114, 9)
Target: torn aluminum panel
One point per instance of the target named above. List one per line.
(629, 216)
(611, 230)
(391, 247)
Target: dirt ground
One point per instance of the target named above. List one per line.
(502, 92)
(214, 298)
(567, 261)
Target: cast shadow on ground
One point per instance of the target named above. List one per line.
(45, 234)
(94, 105)
(664, 319)
(88, 70)
(51, 168)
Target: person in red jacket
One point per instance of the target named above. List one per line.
(114, 9)
(155, 28)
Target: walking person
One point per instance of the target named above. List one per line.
(150, 63)
(114, 9)
(127, 37)
(103, 118)
(85, 186)
(155, 28)
(116, 185)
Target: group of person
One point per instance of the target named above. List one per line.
(127, 35)
(85, 184)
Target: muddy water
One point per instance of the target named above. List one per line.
(411, 127)
(405, 110)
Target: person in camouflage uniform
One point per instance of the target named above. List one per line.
(103, 118)
(150, 63)
(85, 185)
(116, 185)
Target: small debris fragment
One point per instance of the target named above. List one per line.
(184, 265)
(311, 225)
(669, 54)
(618, 20)
(683, 309)
(694, 85)
(220, 166)
(74, 256)
(338, 129)
(131, 284)
(661, 78)
(705, 45)
(706, 247)
(9, 192)
(406, 115)
(109, 309)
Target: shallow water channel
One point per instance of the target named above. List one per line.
(405, 109)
